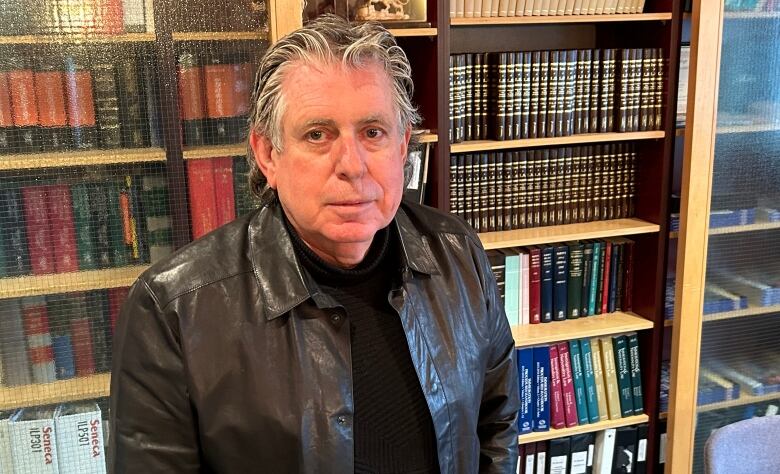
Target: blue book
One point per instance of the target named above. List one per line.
(579, 382)
(591, 393)
(64, 364)
(560, 282)
(525, 367)
(541, 388)
(594, 279)
(613, 276)
(547, 284)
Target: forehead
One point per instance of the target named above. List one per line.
(335, 91)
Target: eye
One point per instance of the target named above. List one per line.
(373, 133)
(315, 135)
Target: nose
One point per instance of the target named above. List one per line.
(350, 157)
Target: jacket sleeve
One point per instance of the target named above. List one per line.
(497, 425)
(153, 428)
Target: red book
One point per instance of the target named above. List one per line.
(557, 419)
(628, 276)
(223, 189)
(605, 282)
(40, 242)
(108, 17)
(60, 211)
(203, 201)
(567, 385)
(535, 286)
(81, 338)
(116, 298)
(36, 329)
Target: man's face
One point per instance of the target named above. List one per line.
(340, 174)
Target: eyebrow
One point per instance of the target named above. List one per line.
(322, 122)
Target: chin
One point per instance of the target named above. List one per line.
(348, 233)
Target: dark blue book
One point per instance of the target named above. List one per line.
(547, 284)
(541, 388)
(16, 259)
(613, 276)
(578, 379)
(525, 371)
(636, 373)
(560, 282)
(64, 363)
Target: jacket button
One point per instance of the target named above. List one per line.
(336, 318)
(434, 387)
(342, 420)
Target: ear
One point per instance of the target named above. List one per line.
(264, 156)
(405, 144)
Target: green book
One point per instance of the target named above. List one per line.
(623, 372)
(587, 274)
(98, 199)
(120, 254)
(578, 380)
(636, 373)
(159, 231)
(588, 373)
(594, 278)
(82, 219)
(574, 297)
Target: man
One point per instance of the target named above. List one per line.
(331, 331)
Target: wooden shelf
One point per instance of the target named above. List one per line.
(735, 229)
(741, 313)
(601, 425)
(214, 151)
(750, 15)
(82, 388)
(404, 32)
(752, 128)
(533, 20)
(218, 36)
(668, 323)
(563, 233)
(428, 138)
(488, 145)
(588, 326)
(32, 285)
(78, 38)
(744, 399)
(80, 158)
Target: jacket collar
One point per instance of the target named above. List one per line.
(282, 281)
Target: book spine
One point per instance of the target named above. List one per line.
(487, 86)
(659, 88)
(613, 277)
(40, 238)
(553, 76)
(34, 445)
(191, 99)
(483, 202)
(14, 232)
(50, 97)
(647, 81)
(106, 106)
(84, 232)
(624, 97)
(574, 284)
(525, 367)
(24, 106)
(594, 279)
(451, 89)
(499, 65)
(623, 371)
(60, 213)
(541, 388)
(607, 265)
(588, 375)
(517, 103)
(223, 190)
(525, 287)
(636, 374)
(509, 94)
(595, 91)
(525, 107)
(560, 289)
(557, 419)
(120, 236)
(587, 272)
(535, 297)
(535, 85)
(569, 93)
(81, 337)
(8, 141)
(580, 395)
(598, 378)
(628, 275)
(36, 328)
(219, 78)
(547, 284)
(610, 378)
(203, 207)
(476, 95)
(567, 385)
(468, 97)
(512, 288)
(99, 315)
(15, 360)
(80, 443)
(133, 117)
(545, 89)
(81, 105)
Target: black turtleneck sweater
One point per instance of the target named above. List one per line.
(392, 424)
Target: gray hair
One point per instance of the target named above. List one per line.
(327, 39)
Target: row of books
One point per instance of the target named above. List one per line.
(68, 438)
(615, 450)
(58, 336)
(734, 217)
(510, 8)
(579, 382)
(553, 186)
(88, 17)
(102, 222)
(214, 98)
(751, 6)
(218, 191)
(546, 283)
(517, 95)
(77, 103)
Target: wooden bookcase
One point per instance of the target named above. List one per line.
(428, 50)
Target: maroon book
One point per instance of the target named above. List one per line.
(557, 417)
(116, 298)
(81, 338)
(535, 284)
(40, 241)
(567, 385)
(223, 190)
(203, 201)
(60, 211)
(605, 282)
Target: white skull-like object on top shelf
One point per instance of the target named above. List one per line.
(381, 10)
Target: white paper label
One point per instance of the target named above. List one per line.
(541, 462)
(641, 450)
(662, 449)
(579, 462)
(590, 455)
(558, 465)
(771, 410)
(529, 463)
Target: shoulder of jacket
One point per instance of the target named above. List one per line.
(219, 255)
(433, 222)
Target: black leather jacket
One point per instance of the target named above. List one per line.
(228, 358)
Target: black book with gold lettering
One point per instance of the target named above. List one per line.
(625, 69)
(484, 199)
(659, 88)
(452, 98)
(525, 106)
(467, 189)
(607, 91)
(533, 107)
(647, 90)
(476, 96)
(493, 198)
(454, 184)
(553, 76)
(517, 101)
(545, 65)
(520, 188)
(560, 99)
(460, 97)
(468, 97)
(594, 94)
(580, 98)
(106, 98)
(559, 192)
(567, 185)
(132, 100)
(545, 186)
(502, 204)
(588, 167)
(569, 99)
(637, 56)
(509, 95)
(486, 87)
